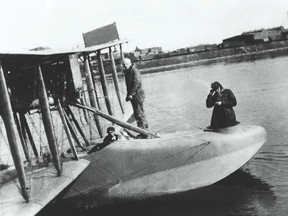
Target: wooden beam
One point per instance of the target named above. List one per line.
(72, 131)
(116, 121)
(121, 53)
(22, 139)
(68, 134)
(82, 101)
(115, 79)
(104, 83)
(11, 130)
(69, 111)
(26, 129)
(92, 95)
(94, 83)
(47, 120)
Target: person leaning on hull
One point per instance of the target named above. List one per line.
(223, 101)
(110, 138)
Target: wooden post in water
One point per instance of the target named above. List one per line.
(62, 116)
(26, 129)
(6, 112)
(92, 95)
(47, 121)
(104, 82)
(22, 139)
(115, 79)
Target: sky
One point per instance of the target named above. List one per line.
(169, 24)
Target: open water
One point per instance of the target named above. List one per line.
(175, 100)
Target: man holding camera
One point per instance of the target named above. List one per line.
(223, 101)
(135, 93)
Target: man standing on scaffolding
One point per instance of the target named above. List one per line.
(135, 93)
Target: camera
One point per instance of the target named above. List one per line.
(214, 88)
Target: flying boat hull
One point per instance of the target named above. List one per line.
(178, 162)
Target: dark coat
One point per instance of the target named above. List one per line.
(134, 88)
(223, 115)
(109, 139)
(134, 83)
(106, 141)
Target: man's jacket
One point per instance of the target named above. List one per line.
(134, 83)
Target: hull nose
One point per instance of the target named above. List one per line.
(258, 134)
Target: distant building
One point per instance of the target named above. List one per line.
(256, 36)
(266, 35)
(202, 47)
(155, 50)
(152, 50)
(144, 54)
(285, 34)
(211, 46)
(239, 40)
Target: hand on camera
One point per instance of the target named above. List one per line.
(212, 92)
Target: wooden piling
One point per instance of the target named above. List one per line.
(104, 82)
(47, 121)
(6, 112)
(115, 79)
(92, 95)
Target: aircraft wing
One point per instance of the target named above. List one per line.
(51, 52)
(44, 186)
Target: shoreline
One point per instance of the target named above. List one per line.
(148, 66)
(227, 55)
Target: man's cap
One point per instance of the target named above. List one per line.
(110, 129)
(216, 85)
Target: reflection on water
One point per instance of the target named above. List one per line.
(241, 193)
